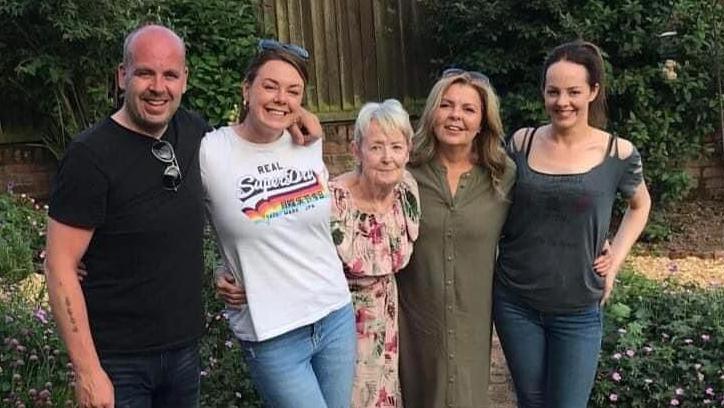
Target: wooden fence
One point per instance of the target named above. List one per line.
(361, 50)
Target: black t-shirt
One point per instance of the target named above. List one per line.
(144, 262)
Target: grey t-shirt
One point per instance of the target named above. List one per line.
(556, 227)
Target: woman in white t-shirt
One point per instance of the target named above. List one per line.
(269, 204)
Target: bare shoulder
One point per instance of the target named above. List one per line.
(519, 137)
(624, 147)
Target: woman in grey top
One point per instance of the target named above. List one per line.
(548, 296)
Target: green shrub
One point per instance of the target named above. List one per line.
(663, 346)
(34, 366)
(225, 380)
(666, 119)
(58, 61)
(57, 71)
(22, 237)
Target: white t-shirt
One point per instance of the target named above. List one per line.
(270, 207)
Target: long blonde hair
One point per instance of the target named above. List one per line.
(488, 143)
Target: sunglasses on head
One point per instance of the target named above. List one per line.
(163, 151)
(296, 50)
(448, 72)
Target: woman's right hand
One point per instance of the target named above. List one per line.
(229, 291)
(307, 129)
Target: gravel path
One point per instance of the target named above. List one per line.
(690, 270)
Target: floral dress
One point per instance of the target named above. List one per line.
(373, 247)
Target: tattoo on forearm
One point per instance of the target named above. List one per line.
(73, 325)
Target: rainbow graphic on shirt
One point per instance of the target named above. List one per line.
(287, 192)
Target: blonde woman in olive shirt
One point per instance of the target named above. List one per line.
(445, 292)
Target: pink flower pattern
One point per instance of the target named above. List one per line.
(373, 247)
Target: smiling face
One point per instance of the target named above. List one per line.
(567, 94)
(154, 80)
(459, 116)
(382, 155)
(274, 97)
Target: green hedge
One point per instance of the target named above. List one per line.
(666, 119)
(59, 58)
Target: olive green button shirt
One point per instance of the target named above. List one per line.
(445, 291)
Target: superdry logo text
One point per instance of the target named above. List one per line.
(277, 193)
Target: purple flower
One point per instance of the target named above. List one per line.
(679, 391)
(705, 337)
(707, 401)
(709, 391)
(616, 356)
(41, 315)
(616, 376)
(648, 349)
(613, 397)
(630, 353)
(688, 341)
(674, 402)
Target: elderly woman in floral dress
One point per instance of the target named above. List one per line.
(375, 218)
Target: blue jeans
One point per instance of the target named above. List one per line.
(308, 367)
(159, 380)
(552, 357)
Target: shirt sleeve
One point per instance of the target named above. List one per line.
(632, 175)
(80, 189)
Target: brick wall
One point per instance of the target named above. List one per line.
(707, 172)
(26, 169)
(337, 137)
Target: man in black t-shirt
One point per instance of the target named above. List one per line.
(128, 202)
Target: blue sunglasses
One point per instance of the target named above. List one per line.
(268, 44)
